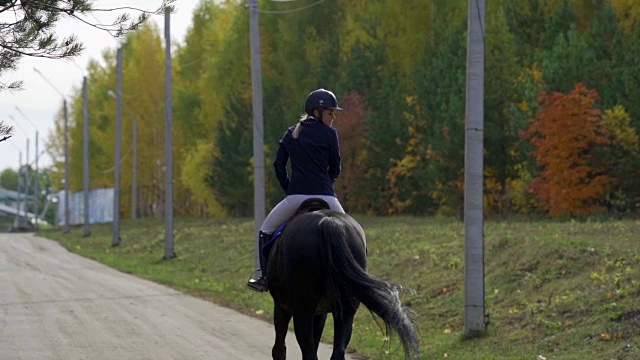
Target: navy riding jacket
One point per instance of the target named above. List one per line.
(315, 160)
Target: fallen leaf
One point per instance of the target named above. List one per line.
(606, 336)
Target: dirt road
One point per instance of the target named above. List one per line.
(58, 305)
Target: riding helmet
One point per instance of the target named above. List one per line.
(320, 99)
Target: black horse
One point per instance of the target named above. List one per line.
(318, 266)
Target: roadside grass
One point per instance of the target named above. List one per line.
(563, 290)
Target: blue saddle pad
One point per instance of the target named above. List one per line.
(266, 248)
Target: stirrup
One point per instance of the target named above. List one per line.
(259, 285)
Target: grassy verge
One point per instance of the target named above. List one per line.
(567, 290)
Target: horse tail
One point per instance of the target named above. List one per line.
(347, 276)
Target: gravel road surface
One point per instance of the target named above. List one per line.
(58, 305)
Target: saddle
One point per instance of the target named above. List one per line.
(307, 206)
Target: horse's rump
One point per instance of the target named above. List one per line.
(300, 262)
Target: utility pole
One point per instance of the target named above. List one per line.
(26, 175)
(134, 172)
(66, 167)
(26, 185)
(17, 220)
(85, 154)
(258, 129)
(168, 200)
(115, 241)
(66, 151)
(36, 185)
(474, 314)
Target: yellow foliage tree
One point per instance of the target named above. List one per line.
(623, 159)
(621, 131)
(628, 13)
(198, 105)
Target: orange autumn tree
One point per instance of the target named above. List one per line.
(351, 127)
(566, 133)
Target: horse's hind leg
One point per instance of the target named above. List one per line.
(318, 327)
(281, 318)
(303, 327)
(343, 326)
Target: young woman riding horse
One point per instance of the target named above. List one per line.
(313, 149)
(318, 265)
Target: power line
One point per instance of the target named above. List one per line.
(291, 10)
(18, 125)
(15, 146)
(25, 116)
(38, 156)
(49, 82)
(111, 169)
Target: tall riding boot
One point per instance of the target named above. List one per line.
(260, 284)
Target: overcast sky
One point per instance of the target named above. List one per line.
(39, 101)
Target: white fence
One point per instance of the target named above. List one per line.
(100, 207)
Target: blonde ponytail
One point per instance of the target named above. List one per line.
(298, 128)
(303, 117)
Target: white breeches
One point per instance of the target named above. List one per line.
(288, 206)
